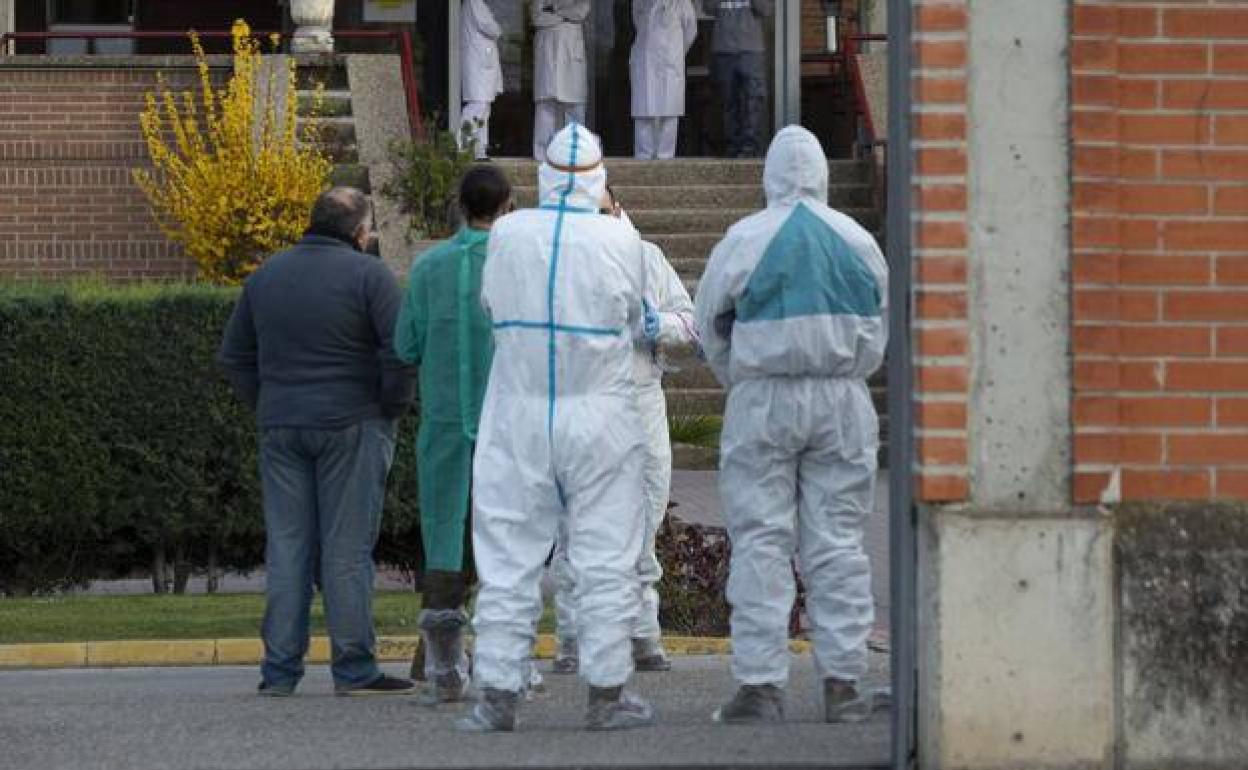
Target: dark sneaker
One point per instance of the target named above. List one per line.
(495, 712)
(265, 690)
(613, 708)
(648, 655)
(842, 702)
(753, 703)
(382, 685)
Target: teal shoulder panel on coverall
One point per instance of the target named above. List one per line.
(443, 329)
(808, 270)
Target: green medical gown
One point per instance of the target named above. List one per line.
(443, 330)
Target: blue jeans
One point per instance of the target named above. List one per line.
(323, 494)
(743, 87)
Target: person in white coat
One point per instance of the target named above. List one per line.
(666, 30)
(482, 74)
(793, 313)
(560, 439)
(667, 295)
(560, 90)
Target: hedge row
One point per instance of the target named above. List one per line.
(122, 447)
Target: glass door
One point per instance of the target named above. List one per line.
(90, 16)
(609, 37)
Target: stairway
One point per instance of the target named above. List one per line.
(685, 206)
(337, 120)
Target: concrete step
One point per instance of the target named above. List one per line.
(687, 172)
(694, 458)
(725, 196)
(333, 103)
(695, 401)
(331, 75)
(351, 175)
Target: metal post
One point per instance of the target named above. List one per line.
(902, 522)
(788, 64)
(454, 91)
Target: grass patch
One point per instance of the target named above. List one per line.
(197, 616)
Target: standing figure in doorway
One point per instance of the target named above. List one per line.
(740, 71)
(665, 31)
(482, 75)
(559, 77)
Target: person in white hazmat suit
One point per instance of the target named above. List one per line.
(667, 295)
(560, 439)
(793, 314)
(560, 90)
(482, 74)
(666, 30)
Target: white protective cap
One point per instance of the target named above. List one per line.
(573, 174)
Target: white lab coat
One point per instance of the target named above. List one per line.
(793, 315)
(666, 30)
(560, 70)
(482, 75)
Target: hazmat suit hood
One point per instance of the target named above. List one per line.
(572, 174)
(796, 168)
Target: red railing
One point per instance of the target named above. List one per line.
(862, 106)
(406, 58)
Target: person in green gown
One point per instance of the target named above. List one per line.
(443, 329)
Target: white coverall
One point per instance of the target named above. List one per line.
(560, 71)
(792, 310)
(560, 439)
(668, 296)
(666, 30)
(482, 76)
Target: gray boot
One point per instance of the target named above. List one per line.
(495, 712)
(612, 708)
(843, 702)
(446, 663)
(648, 655)
(753, 703)
(567, 660)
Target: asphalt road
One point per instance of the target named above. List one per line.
(184, 718)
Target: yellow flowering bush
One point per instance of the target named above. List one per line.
(233, 175)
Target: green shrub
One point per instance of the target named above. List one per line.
(425, 179)
(121, 447)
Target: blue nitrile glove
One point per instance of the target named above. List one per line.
(651, 324)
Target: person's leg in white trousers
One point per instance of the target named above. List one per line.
(812, 441)
(549, 117)
(657, 467)
(666, 130)
(477, 116)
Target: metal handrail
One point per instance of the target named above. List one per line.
(406, 57)
(850, 47)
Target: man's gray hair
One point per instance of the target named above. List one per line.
(339, 212)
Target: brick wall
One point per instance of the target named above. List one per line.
(68, 141)
(1160, 239)
(940, 243)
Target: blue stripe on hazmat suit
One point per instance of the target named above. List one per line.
(560, 438)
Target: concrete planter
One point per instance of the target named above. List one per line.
(313, 20)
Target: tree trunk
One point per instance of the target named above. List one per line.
(181, 571)
(214, 574)
(160, 582)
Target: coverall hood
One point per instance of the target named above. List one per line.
(573, 173)
(796, 168)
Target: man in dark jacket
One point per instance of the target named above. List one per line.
(309, 346)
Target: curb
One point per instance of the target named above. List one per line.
(241, 652)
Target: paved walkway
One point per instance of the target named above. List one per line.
(209, 718)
